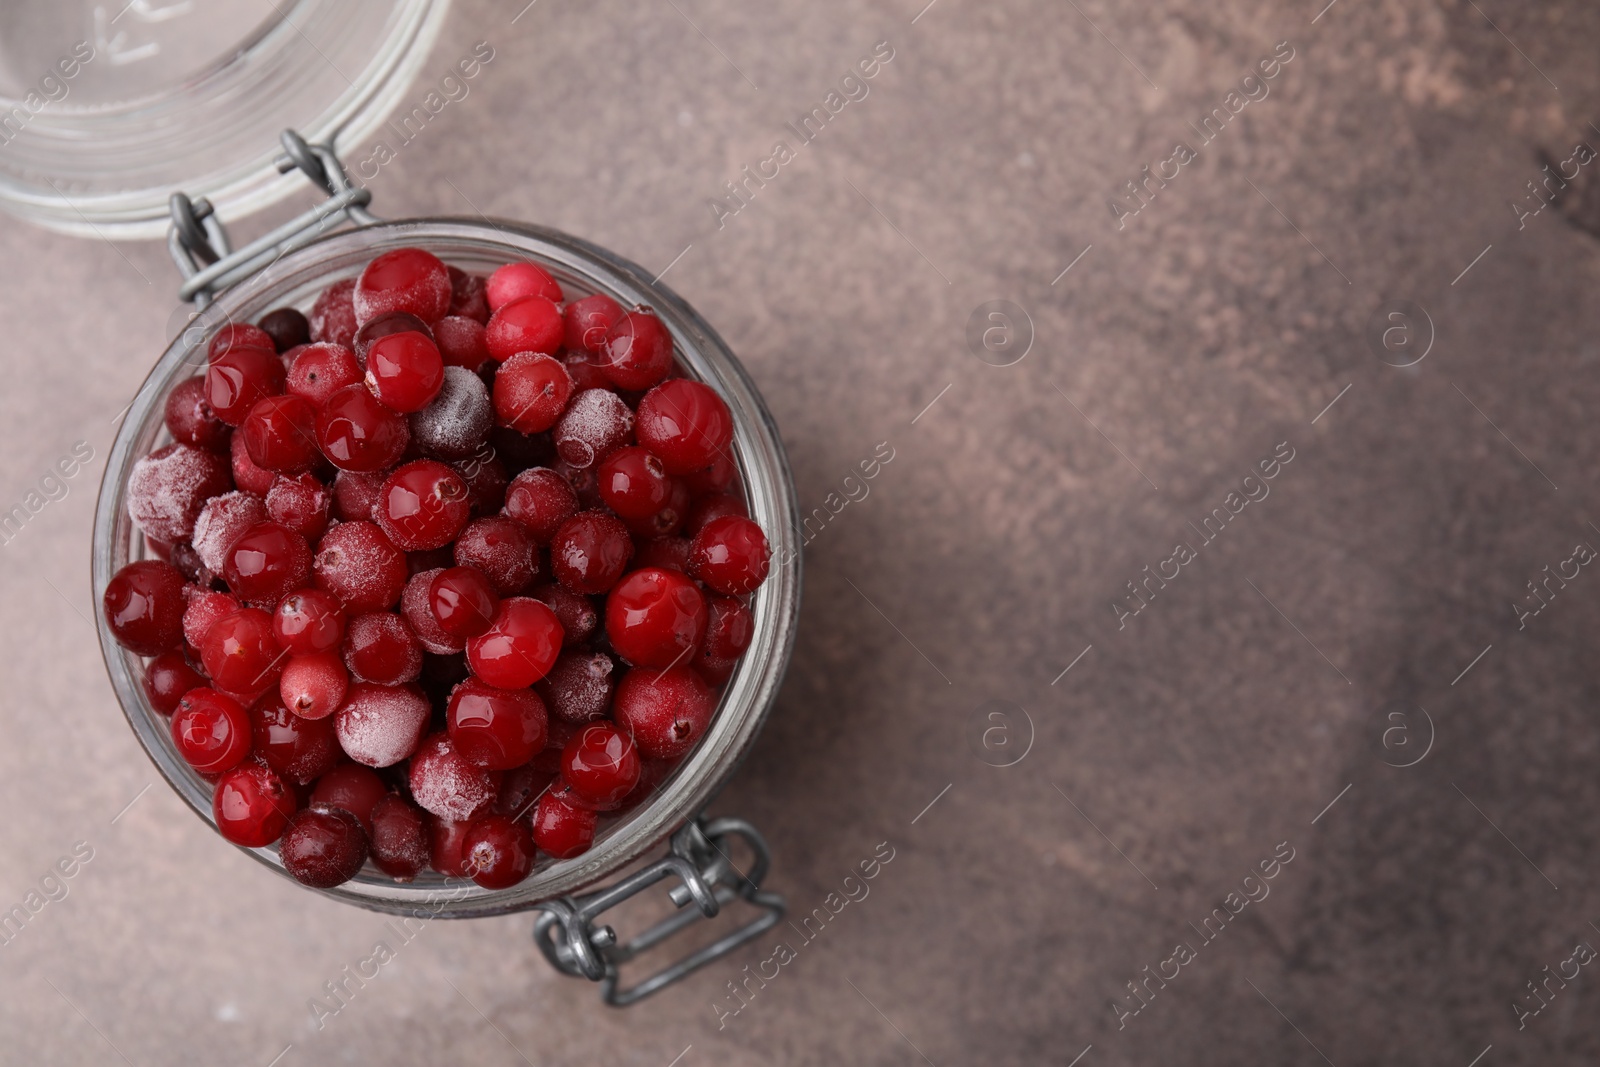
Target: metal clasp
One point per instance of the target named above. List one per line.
(698, 858)
(199, 243)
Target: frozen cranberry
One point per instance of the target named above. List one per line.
(496, 728)
(167, 679)
(686, 424)
(144, 606)
(422, 505)
(497, 852)
(730, 555)
(357, 563)
(320, 370)
(446, 783)
(667, 553)
(446, 841)
(463, 601)
(665, 711)
(190, 419)
(246, 475)
(220, 523)
(353, 788)
(562, 829)
(654, 618)
(601, 764)
(588, 321)
(355, 493)
(240, 653)
(502, 549)
(530, 392)
(594, 425)
(399, 838)
(358, 433)
(456, 423)
(252, 805)
(541, 500)
(167, 489)
(210, 730)
(462, 342)
(301, 750)
(323, 846)
(333, 316)
(713, 506)
(379, 647)
(520, 790)
(486, 481)
(300, 503)
(578, 688)
(468, 296)
(633, 483)
(206, 606)
(238, 378)
(585, 482)
(308, 621)
(266, 563)
(520, 646)
(380, 725)
(577, 614)
(404, 279)
(531, 324)
(280, 433)
(417, 608)
(584, 370)
(590, 552)
(404, 370)
(517, 280)
(313, 685)
(383, 326)
(286, 327)
(637, 352)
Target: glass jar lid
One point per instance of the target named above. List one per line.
(106, 108)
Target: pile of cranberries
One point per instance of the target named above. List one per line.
(442, 572)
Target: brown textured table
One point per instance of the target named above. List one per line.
(1367, 587)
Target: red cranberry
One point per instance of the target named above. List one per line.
(665, 711)
(353, 788)
(462, 342)
(383, 326)
(301, 504)
(354, 494)
(495, 728)
(730, 555)
(634, 484)
(144, 606)
(497, 851)
(578, 688)
(380, 648)
(301, 750)
(313, 686)
(516, 280)
(585, 482)
(456, 423)
(686, 424)
(666, 553)
(541, 500)
(358, 433)
(266, 563)
(502, 549)
(280, 434)
(167, 679)
(246, 475)
(362, 567)
(713, 506)
(445, 783)
(729, 628)
(399, 838)
(584, 370)
(238, 335)
(594, 425)
(240, 653)
(220, 523)
(422, 505)
(404, 279)
(668, 518)
(468, 296)
(205, 608)
(252, 805)
(463, 601)
(520, 646)
(562, 829)
(320, 370)
(211, 731)
(548, 762)
(520, 790)
(323, 847)
(486, 481)
(655, 617)
(380, 725)
(590, 552)
(531, 324)
(405, 371)
(446, 840)
(238, 378)
(717, 478)
(530, 392)
(333, 316)
(167, 489)
(416, 604)
(286, 327)
(601, 764)
(588, 321)
(638, 351)
(308, 621)
(190, 419)
(577, 614)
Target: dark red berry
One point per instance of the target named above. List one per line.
(422, 505)
(578, 616)
(601, 764)
(497, 852)
(541, 500)
(519, 647)
(168, 488)
(561, 828)
(516, 280)
(462, 342)
(496, 728)
(665, 711)
(323, 846)
(405, 371)
(383, 326)
(358, 433)
(463, 601)
(353, 788)
(595, 424)
(531, 390)
(301, 503)
(399, 838)
(300, 750)
(502, 549)
(416, 605)
(667, 553)
(354, 494)
(589, 321)
(520, 790)
(404, 279)
(238, 335)
(446, 783)
(266, 563)
(280, 434)
(590, 551)
(252, 805)
(468, 296)
(456, 423)
(240, 652)
(634, 484)
(654, 618)
(287, 328)
(729, 628)
(144, 606)
(446, 840)
(320, 370)
(638, 351)
(246, 474)
(531, 324)
(190, 419)
(578, 688)
(730, 555)
(211, 731)
(167, 678)
(313, 686)
(333, 316)
(686, 424)
(380, 725)
(238, 378)
(584, 370)
(308, 621)
(360, 566)
(380, 648)
(713, 506)
(666, 520)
